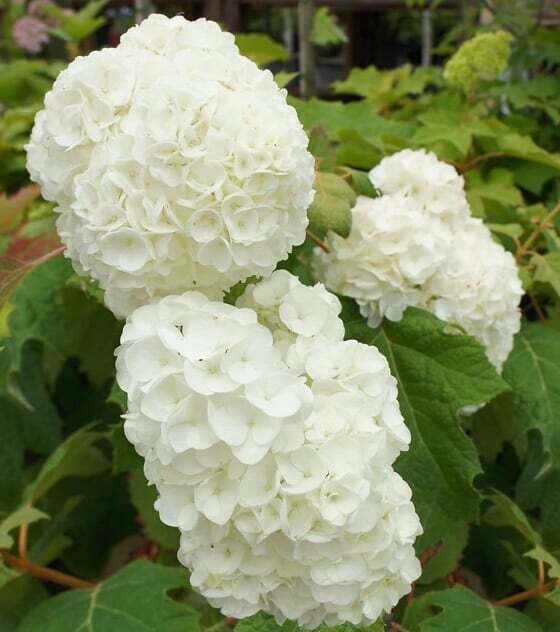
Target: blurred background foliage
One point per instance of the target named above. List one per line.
(478, 83)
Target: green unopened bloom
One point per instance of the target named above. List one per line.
(482, 58)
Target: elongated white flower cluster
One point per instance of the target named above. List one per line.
(416, 245)
(271, 442)
(175, 162)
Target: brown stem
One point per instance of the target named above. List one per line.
(470, 164)
(544, 223)
(536, 307)
(317, 241)
(430, 552)
(540, 564)
(41, 572)
(527, 595)
(22, 541)
(424, 558)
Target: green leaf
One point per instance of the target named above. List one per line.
(52, 541)
(538, 488)
(491, 426)
(541, 555)
(355, 151)
(100, 527)
(505, 513)
(284, 78)
(50, 305)
(462, 610)
(265, 623)
(438, 374)
(334, 116)
(25, 81)
(325, 29)
(143, 497)
(547, 269)
(262, 49)
(7, 575)
(17, 598)
(360, 82)
(24, 515)
(11, 452)
(331, 207)
(532, 176)
(77, 456)
(452, 536)
(42, 425)
(533, 371)
(498, 187)
(125, 457)
(460, 137)
(76, 26)
(524, 147)
(134, 599)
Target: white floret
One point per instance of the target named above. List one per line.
(175, 163)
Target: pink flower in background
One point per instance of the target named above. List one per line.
(30, 34)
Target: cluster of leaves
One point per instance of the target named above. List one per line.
(75, 510)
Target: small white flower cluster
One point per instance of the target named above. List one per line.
(175, 163)
(417, 245)
(271, 442)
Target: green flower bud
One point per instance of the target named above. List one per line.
(482, 58)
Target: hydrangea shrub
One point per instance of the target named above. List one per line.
(288, 458)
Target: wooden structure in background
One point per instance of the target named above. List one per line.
(230, 12)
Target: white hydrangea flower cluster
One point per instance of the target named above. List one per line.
(417, 245)
(271, 442)
(175, 163)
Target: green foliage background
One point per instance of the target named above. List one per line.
(73, 497)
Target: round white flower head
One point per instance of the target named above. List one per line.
(417, 245)
(271, 441)
(175, 163)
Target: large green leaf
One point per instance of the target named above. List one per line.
(463, 610)
(335, 116)
(53, 307)
(533, 371)
(135, 599)
(438, 374)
